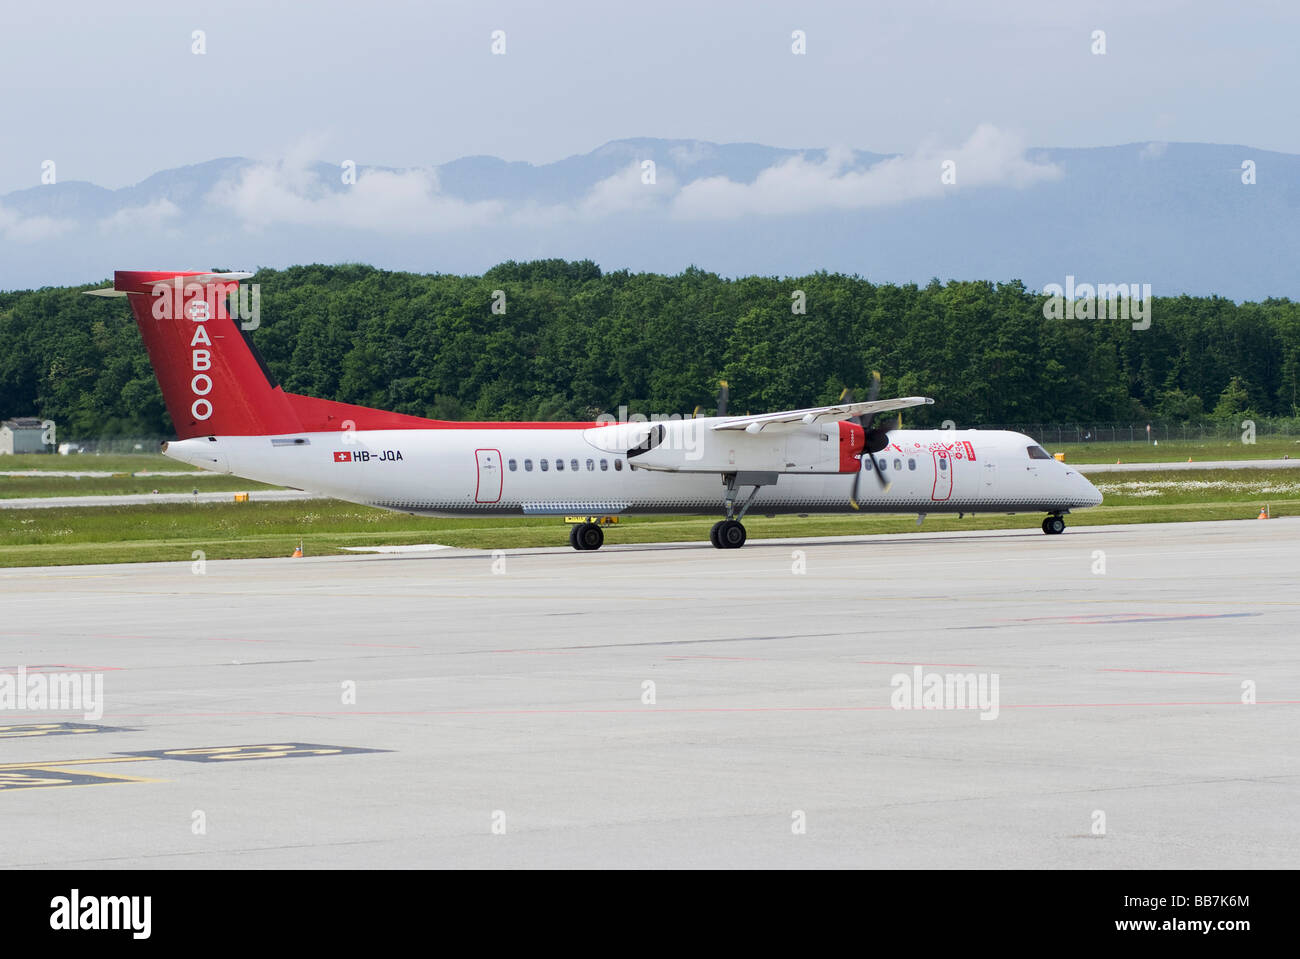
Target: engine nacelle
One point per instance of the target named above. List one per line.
(694, 446)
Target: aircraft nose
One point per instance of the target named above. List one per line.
(1091, 493)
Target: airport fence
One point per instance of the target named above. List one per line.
(1154, 430)
(115, 445)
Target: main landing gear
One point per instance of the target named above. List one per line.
(586, 536)
(587, 532)
(1054, 525)
(730, 532)
(727, 534)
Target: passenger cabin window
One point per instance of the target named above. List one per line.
(591, 465)
(1038, 453)
(898, 464)
(911, 463)
(559, 465)
(618, 464)
(882, 464)
(604, 466)
(545, 467)
(943, 463)
(574, 465)
(513, 466)
(528, 466)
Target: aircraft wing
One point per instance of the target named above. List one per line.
(818, 414)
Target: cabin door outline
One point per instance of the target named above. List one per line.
(942, 477)
(488, 487)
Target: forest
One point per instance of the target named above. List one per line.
(556, 340)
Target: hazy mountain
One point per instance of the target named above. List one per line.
(1177, 216)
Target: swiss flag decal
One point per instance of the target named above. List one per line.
(342, 457)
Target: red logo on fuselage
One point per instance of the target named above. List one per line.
(343, 457)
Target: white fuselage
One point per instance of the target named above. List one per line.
(485, 469)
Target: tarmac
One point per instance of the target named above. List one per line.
(670, 705)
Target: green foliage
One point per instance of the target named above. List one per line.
(574, 342)
(1233, 401)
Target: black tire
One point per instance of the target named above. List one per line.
(731, 534)
(591, 536)
(1054, 525)
(573, 537)
(713, 535)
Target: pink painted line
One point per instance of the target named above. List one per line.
(107, 636)
(68, 667)
(730, 659)
(1171, 672)
(533, 652)
(383, 646)
(886, 662)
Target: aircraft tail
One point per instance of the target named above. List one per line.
(213, 380)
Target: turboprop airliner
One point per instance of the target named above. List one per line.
(231, 416)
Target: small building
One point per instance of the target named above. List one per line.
(25, 434)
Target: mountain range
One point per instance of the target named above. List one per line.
(1184, 217)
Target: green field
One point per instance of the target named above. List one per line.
(121, 484)
(91, 462)
(1265, 448)
(65, 536)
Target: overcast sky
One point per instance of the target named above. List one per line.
(113, 92)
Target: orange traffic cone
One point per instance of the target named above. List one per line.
(1189, 459)
(1117, 462)
(297, 551)
(1263, 512)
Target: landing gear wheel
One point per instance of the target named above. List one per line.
(713, 535)
(590, 536)
(573, 538)
(1054, 525)
(731, 534)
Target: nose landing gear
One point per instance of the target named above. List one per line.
(1054, 525)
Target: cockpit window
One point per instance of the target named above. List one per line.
(1038, 453)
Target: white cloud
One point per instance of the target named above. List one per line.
(409, 201)
(988, 158)
(152, 216)
(295, 192)
(31, 229)
(626, 192)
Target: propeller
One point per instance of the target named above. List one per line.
(873, 440)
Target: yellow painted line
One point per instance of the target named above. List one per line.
(76, 762)
(102, 779)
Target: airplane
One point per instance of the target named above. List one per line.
(231, 416)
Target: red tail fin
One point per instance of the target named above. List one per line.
(213, 381)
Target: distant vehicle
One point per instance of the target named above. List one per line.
(231, 416)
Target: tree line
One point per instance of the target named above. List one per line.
(555, 340)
